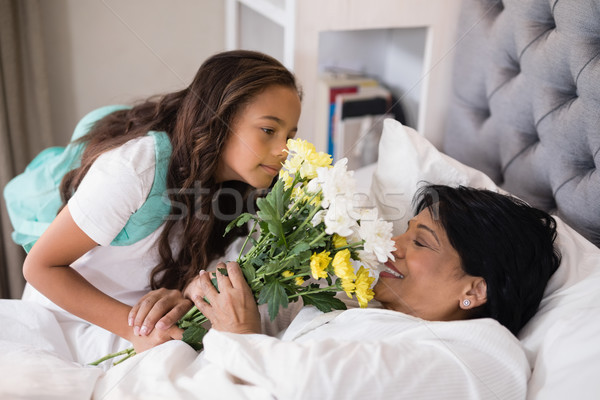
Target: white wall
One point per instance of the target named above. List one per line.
(111, 51)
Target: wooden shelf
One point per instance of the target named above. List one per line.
(308, 24)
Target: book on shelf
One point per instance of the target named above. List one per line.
(328, 87)
(357, 124)
(351, 109)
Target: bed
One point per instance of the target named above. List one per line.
(524, 118)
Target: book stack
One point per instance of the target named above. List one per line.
(352, 109)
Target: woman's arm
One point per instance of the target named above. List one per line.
(47, 268)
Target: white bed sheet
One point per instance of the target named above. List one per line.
(403, 356)
(561, 341)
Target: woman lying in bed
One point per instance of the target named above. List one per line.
(477, 260)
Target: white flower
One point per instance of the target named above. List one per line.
(313, 186)
(318, 217)
(338, 219)
(377, 235)
(368, 259)
(336, 182)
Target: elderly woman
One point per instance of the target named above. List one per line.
(470, 269)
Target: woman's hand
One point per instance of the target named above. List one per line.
(232, 308)
(160, 308)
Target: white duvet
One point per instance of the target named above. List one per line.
(561, 341)
(359, 353)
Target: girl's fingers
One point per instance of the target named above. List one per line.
(171, 318)
(132, 314)
(144, 308)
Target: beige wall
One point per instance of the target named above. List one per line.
(112, 51)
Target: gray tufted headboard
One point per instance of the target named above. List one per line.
(526, 102)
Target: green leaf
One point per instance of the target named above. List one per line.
(299, 248)
(268, 214)
(248, 271)
(324, 301)
(194, 335)
(277, 199)
(239, 221)
(272, 266)
(273, 294)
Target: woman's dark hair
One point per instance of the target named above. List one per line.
(198, 120)
(501, 239)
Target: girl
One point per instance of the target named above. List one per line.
(227, 133)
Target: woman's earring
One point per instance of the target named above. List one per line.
(466, 302)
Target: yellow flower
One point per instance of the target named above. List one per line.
(300, 147)
(316, 201)
(299, 281)
(305, 159)
(298, 194)
(348, 286)
(318, 264)
(339, 241)
(363, 290)
(292, 164)
(315, 160)
(319, 159)
(286, 178)
(342, 266)
(287, 274)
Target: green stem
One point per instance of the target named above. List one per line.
(325, 289)
(130, 354)
(296, 203)
(289, 278)
(246, 241)
(255, 248)
(307, 220)
(323, 234)
(113, 355)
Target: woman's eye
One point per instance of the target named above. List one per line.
(418, 244)
(268, 131)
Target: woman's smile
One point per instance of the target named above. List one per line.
(391, 272)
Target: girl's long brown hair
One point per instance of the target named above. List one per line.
(198, 121)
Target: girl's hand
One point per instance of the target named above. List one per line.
(158, 336)
(232, 308)
(160, 308)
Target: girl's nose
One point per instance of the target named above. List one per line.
(279, 149)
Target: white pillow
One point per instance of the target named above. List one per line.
(408, 160)
(562, 340)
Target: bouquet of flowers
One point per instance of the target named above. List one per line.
(310, 240)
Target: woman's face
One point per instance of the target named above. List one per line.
(426, 279)
(253, 151)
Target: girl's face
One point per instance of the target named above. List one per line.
(254, 150)
(426, 279)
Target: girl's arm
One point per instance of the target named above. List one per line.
(47, 268)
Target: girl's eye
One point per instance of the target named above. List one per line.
(418, 244)
(268, 131)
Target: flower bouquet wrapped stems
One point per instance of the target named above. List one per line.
(310, 241)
